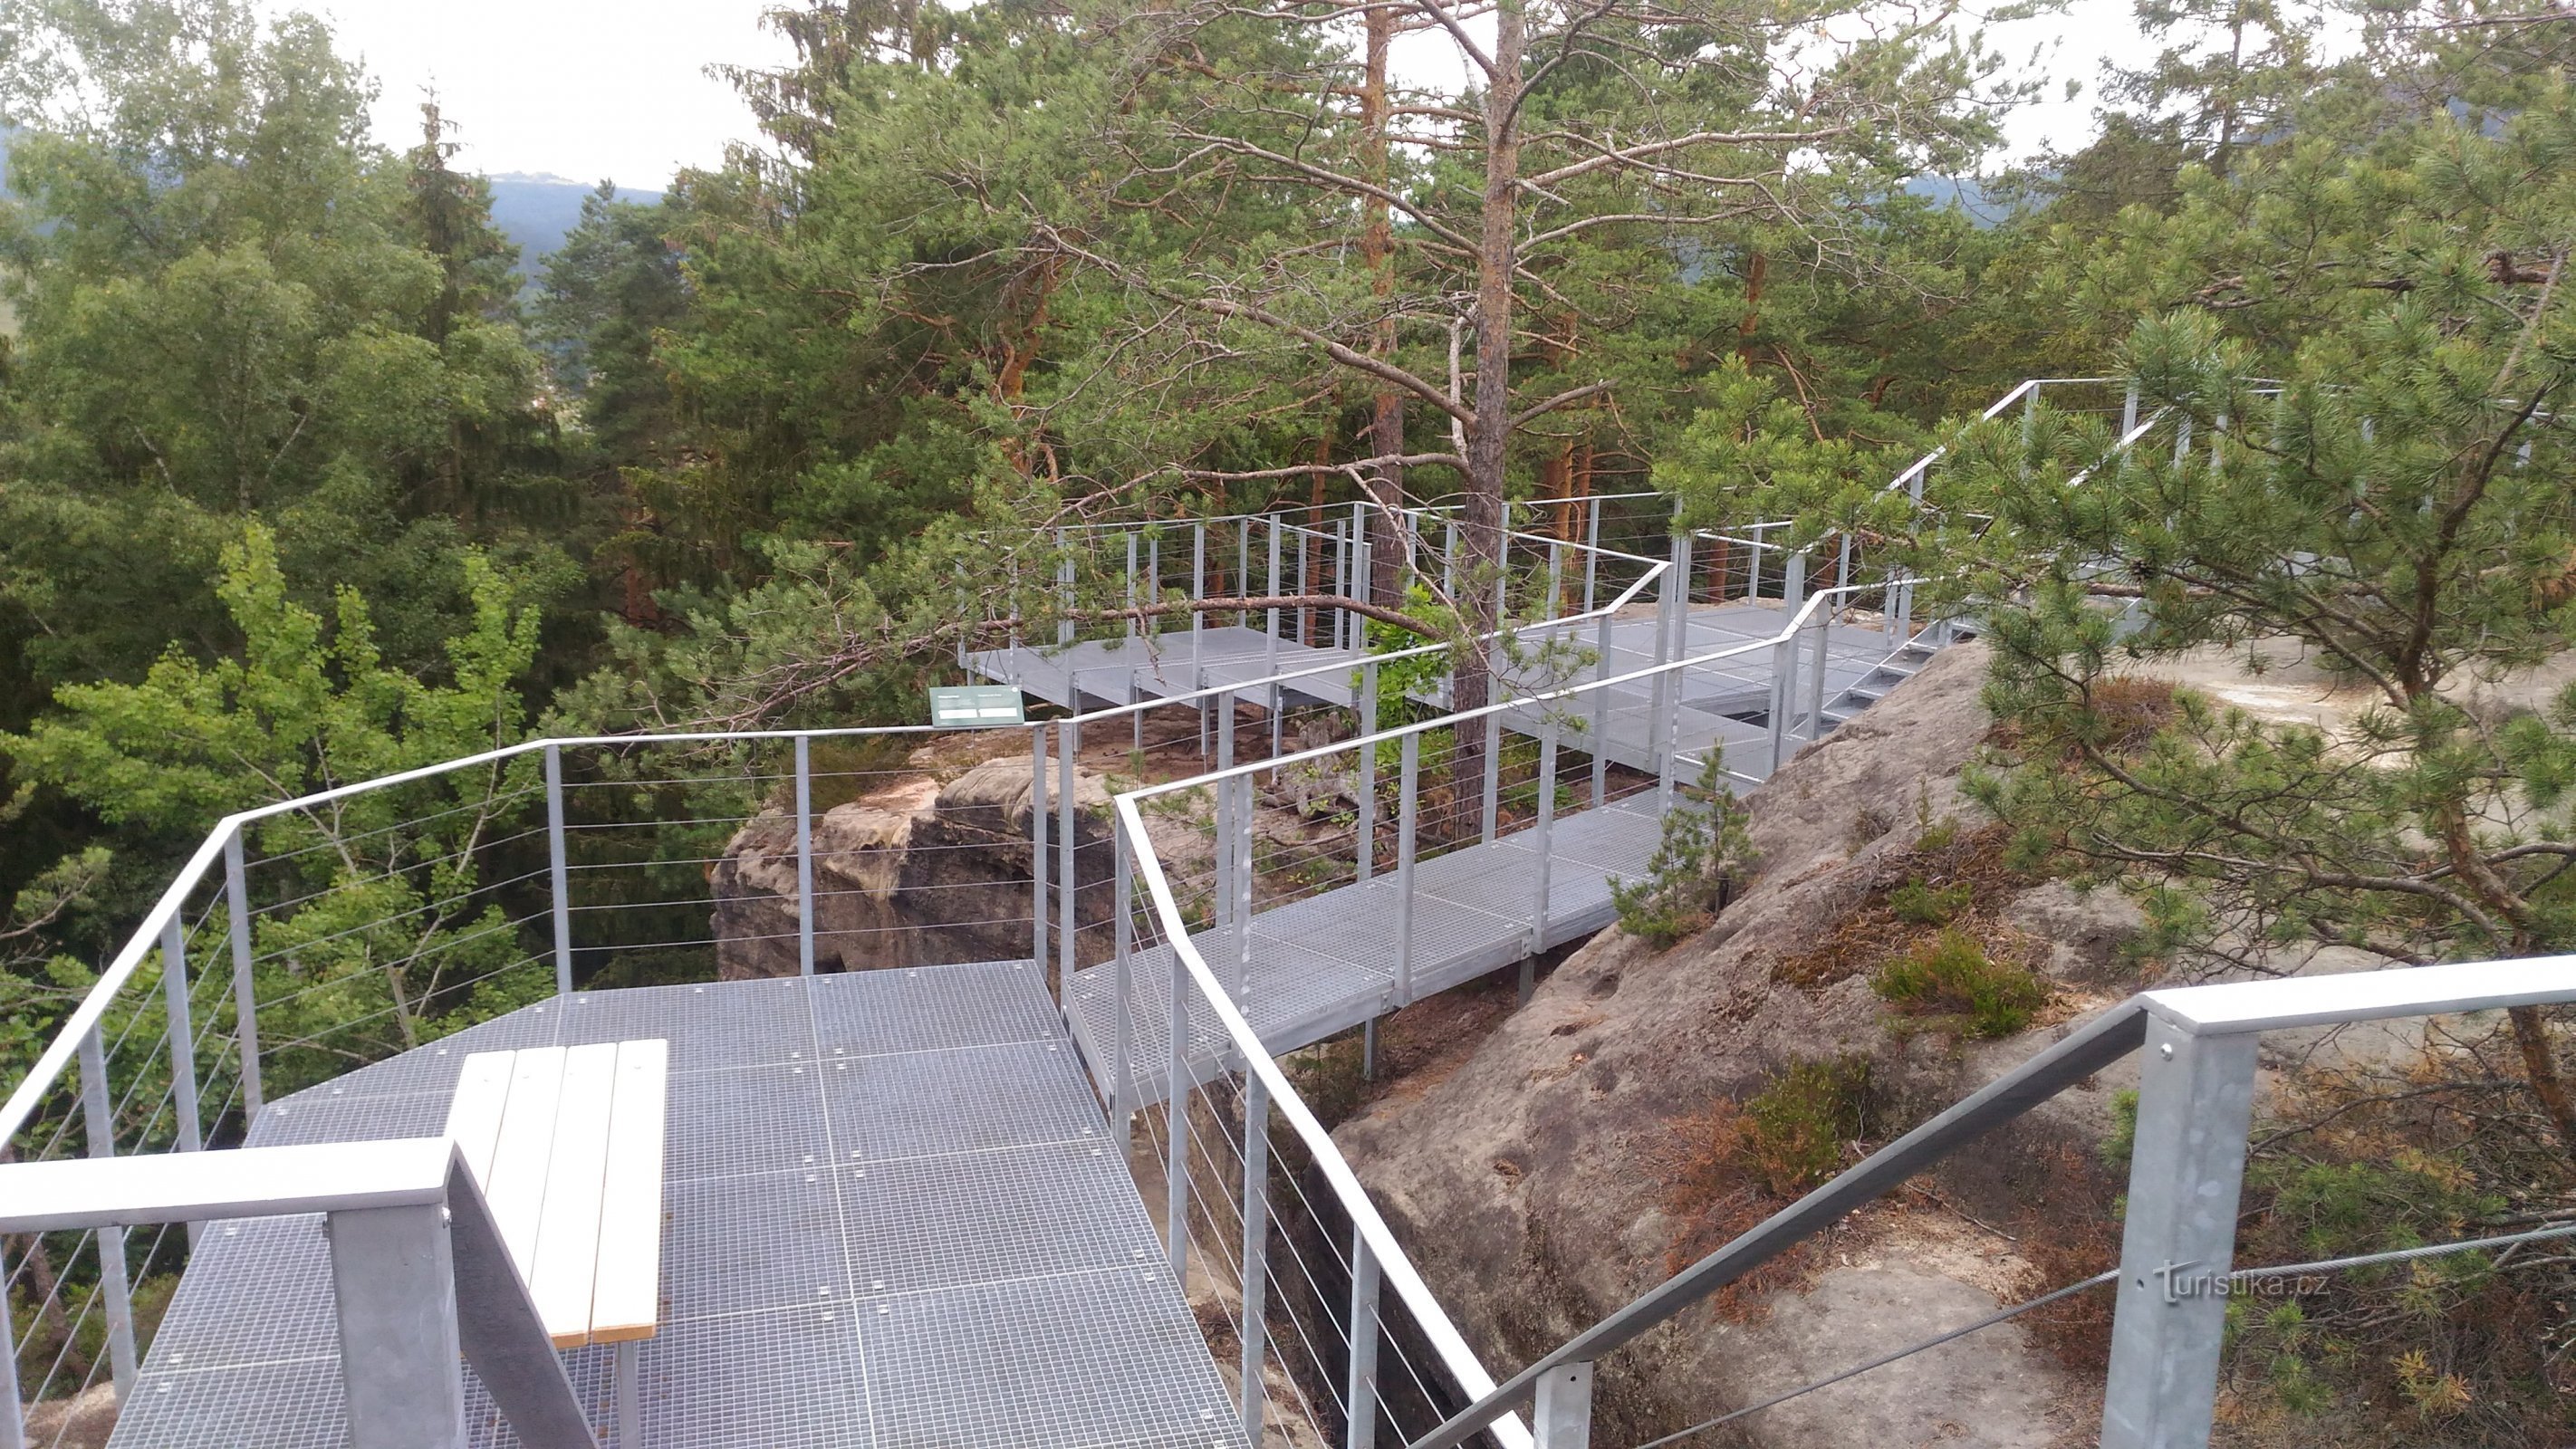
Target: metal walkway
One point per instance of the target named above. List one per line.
(1721, 704)
(1332, 961)
(893, 1220)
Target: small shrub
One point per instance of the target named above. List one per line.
(1794, 1129)
(1705, 854)
(2122, 1140)
(1928, 905)
(1953, 977)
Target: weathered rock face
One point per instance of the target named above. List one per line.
(944, 883)
(1530, 1182)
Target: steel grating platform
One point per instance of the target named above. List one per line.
(1099, 673)
(1722, 704)
(1328, 962)
(892, 1221)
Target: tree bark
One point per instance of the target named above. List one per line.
(1377, 251)
(1489, 436)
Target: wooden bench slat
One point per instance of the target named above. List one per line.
(520, 1159)
(474, 1115)
(568, 1231)
(626, 1300)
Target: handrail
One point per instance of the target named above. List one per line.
(1394, 1267)
(2104, 1040)
(1801, 620)
(2228, 1009)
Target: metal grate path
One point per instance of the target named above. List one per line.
(890, 1221)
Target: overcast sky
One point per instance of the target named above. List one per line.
(618, 88)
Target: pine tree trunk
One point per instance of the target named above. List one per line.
(1377, 251)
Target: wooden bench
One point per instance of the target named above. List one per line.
(566, 1143)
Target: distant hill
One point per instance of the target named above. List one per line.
(534, 210)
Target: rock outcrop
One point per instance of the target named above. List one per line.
(909, 883)
(1532, 1181)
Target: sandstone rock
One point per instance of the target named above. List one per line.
(945, 882)
(1529, 1183)
(81, 1422)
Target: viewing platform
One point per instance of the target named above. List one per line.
(893, 1217)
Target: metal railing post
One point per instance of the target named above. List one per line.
(1176, 1139)
(1591, 554)
(1243, 882)
(1038, 853)
(1546, 823)
(1493, 802)
(1367, 842)
(1555, 578)
(805, 910)
(1793, 583)
(182, 1035)
(1132, 620)
(13, 1419)
(1784, 662)
(1562, 1416)
(1359, 1400)
(393, 1284)
(557, 873)
(1064, 599)
(1407, 815)
(1255, 1284)
(1600, 740)
(1198, 584)
(245, 988)
(1122, 1032)
(1816, 687)
(1067, 944)
(98, 1121)
(2195, 1103)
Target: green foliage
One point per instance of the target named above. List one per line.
(388, 934)
(1705, 855)
(1924, 905)
(2121, 1142)
(1796, 1129)
(1952, 977)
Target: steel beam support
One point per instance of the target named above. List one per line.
(630, 1407)
(393, 1280)
(245, 988)
(2195, 1103)
(1252, 1326)
(1359, 1397)
(558, 873)
(805, 910)
(1562, 1416)
(98, 1123)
